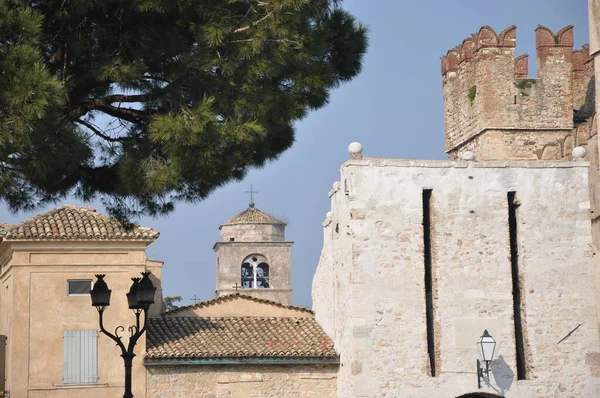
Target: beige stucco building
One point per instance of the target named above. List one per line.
(248, 342)
(47, 265)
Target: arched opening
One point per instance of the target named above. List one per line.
(247, 276)
(255, 272)
(262, 275)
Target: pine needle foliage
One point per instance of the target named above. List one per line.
(169, 302)
(146, 103)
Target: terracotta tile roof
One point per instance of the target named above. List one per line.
(74, 222)
(254, 216)
(237, 337)
(234, 296)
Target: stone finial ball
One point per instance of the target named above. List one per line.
(468, 155)
(355, 148)
(579, 152)
(336, 185)
(328, 215)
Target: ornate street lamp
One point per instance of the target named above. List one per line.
(486, 345)
(139, 299)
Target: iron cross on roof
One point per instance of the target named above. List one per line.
(236, 287)
(251, 192)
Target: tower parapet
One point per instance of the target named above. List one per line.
(492, 108)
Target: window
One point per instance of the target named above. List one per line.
(255, 272)
(79, 287)
(80, 356)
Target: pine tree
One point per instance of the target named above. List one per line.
(169, 302)
(144, 103)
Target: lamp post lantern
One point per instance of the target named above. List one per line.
(487, 346)
(139, 299)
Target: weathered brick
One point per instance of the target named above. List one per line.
(492, 109)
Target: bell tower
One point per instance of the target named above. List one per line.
(253, 257)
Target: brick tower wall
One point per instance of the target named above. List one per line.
(492, 108)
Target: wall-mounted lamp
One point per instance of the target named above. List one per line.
(486, 345)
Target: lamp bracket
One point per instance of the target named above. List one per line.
(483, 373)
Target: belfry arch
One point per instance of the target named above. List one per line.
(255, 272)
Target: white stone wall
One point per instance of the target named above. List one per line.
(368, 291)
(594, 25)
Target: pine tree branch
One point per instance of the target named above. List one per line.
(104, 104)
(244, 28)
(131, 98)
(129, 114)
(298, 44)
(97, 132)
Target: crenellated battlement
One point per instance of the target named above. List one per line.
(487, 91)
(485, 38)
(544, 37)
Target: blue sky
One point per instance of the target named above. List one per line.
(394, 108)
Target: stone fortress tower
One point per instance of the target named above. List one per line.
(254, 258)
(493, 109)
(421, 256)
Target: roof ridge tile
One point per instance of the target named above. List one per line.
(253, 215)
(227, 297)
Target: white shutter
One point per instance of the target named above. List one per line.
(80, 356)
(71, 356)
(89, 356)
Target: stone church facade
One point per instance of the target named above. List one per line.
(239, 346)
(249, 341)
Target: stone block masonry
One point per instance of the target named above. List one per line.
(369, 287)
(242, 381)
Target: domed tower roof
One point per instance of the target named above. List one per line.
(254, 216)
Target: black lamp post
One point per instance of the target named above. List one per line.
(487, 346)
(139, 298)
